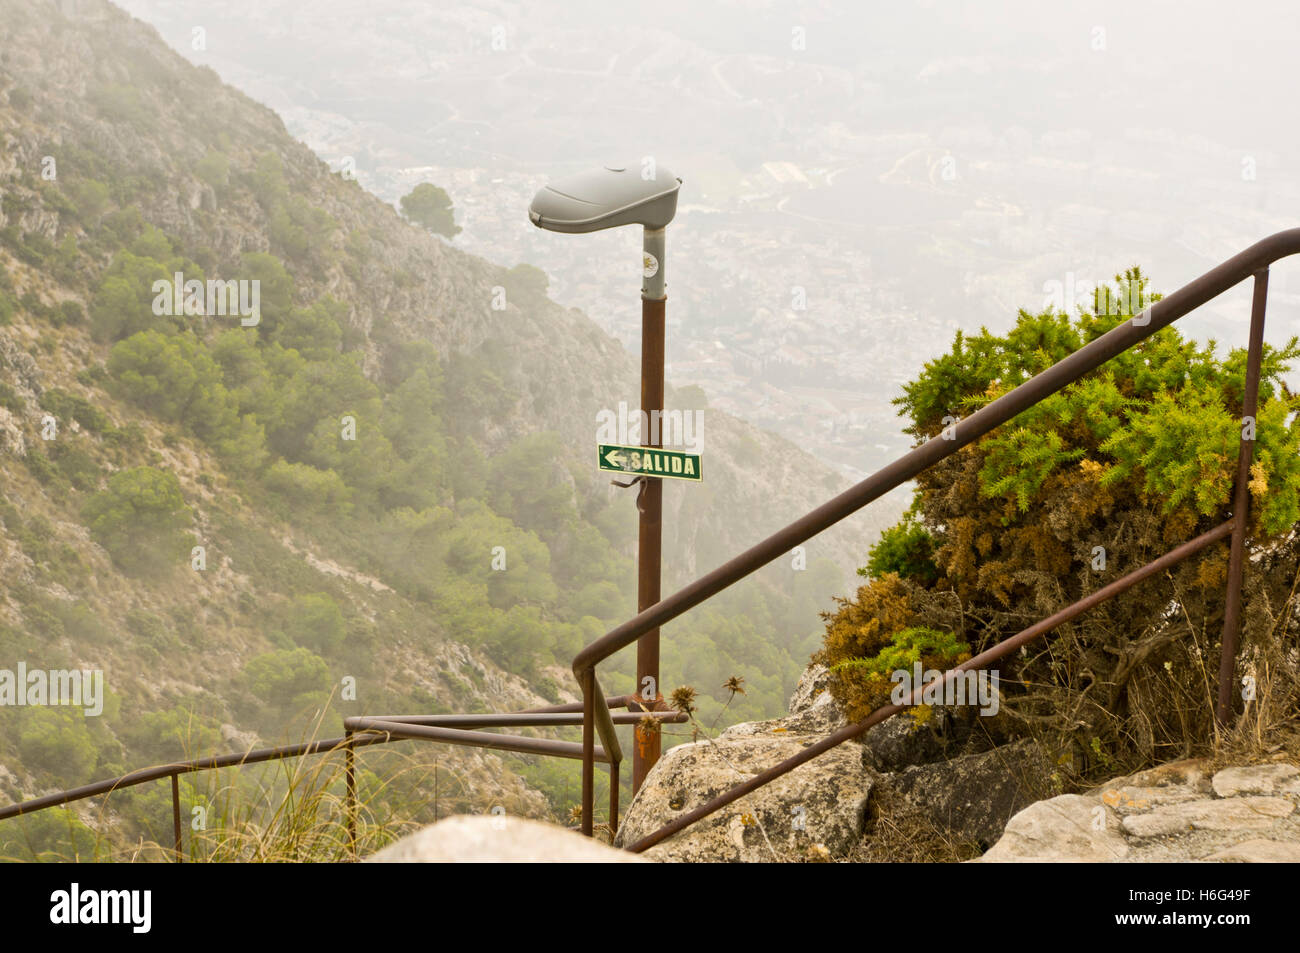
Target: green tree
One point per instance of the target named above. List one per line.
(305, 487)
(526, 282)
(314, 621)
(283, 678)
(429, 206)
(140, 518)
(57, 740)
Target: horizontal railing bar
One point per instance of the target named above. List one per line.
(515, 720)
(157, 772)
(1002, 649)
(1069, 369)
(478, 739)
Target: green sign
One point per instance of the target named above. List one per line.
(648, 461)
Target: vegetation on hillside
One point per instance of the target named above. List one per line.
(235, 513)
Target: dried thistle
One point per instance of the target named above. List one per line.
(575, 814)
(735, 685)
(818, 854)
(683, 699)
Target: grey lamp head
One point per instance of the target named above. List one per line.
(605, 198)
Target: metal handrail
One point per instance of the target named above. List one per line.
(374, 730)
(1253, 261)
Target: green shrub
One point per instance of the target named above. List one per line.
(279, 678)
(171, 735)
(140, 518)
(10, 400)
(1091, 483)
(57, 742)
(66, 406)
(905, 549)
(315, 622)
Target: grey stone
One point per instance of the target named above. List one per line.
(821, 802)
(1133, 799)
(1257, 779)
(974, 796)
(812, 708)
(501, 839)
(1240, 813)
(1069, 828)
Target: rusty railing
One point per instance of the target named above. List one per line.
(1254, 261)
(365, 730)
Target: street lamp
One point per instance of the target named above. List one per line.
(588, 202)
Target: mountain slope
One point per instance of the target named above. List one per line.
(350, 465)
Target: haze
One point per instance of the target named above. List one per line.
(902, 171)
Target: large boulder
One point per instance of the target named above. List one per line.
(816, 810)
(1065, 829)
(973, 796)
(498, 839)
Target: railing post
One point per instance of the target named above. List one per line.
(1241, 502)
(350, 773)
(176, 816)
(613, 800)
(588, 750)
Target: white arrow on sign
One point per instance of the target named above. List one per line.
(614, 458)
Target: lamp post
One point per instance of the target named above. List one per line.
(608, 197)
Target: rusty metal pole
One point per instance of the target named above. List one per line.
(613, 800)
(650, 499)
(1241, 502)
(176, 817)
(588, 751)
(350, 774)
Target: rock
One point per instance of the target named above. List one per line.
(1190, 772)
(975, 795)
(1241, 813)
(949, 732)
(11, 434)
(1067, 828)
(238, 740)
(812, 709)
(501, 839)
(1259, 851)
(1132, 799)
(821, 802)
(1258, 779)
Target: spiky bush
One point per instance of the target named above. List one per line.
(1087, 486)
